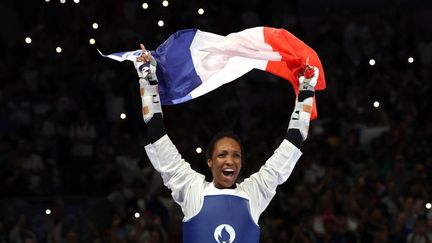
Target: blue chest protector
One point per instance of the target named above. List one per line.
(222, 219)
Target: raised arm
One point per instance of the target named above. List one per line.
(176, 173)
(299, 124)
(261, 186)
(150, 100)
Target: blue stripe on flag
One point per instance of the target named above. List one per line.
(175, 70)
(181, 100)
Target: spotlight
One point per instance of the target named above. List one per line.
(123, 116)
(200, 11)
(63, 1)
(165, 3)
(376, 104)
(28, 40)
(48, 211)
(410, 59)
(76, 1)
(58, 49)
(161, 23)
(95, 25)
(137, 215)
(428, 205)
(145, 5)
(198, 150)
(92, 41)
(372, 62)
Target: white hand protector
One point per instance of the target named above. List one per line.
(148, 88)
(146, 68)
(309, 83)
(300, 118)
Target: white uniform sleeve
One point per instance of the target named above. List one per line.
(261, 186)
(186, 184)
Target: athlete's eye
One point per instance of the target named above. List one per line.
(222, 155)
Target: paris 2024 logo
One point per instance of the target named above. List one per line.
(224, 233)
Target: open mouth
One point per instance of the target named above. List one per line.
(228, 172)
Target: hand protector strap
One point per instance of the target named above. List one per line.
(300, 118)
(150, 99)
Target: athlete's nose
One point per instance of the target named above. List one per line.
(229, 161)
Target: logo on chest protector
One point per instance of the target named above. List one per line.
(224, 233)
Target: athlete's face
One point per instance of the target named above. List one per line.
(225, 162)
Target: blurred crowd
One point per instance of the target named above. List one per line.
(72, 170)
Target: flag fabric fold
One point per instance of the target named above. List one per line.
(191, 62)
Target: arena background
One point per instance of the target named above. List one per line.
(72, 170)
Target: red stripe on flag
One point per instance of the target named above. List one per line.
(294, 53)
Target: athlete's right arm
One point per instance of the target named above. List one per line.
(145, 66)
(184, 182)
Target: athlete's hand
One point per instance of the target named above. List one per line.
(145, 65)
(308, 79)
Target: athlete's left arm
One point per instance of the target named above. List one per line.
(261, 186)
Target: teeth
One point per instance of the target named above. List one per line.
(228, 172)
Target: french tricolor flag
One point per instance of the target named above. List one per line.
(191, 62)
